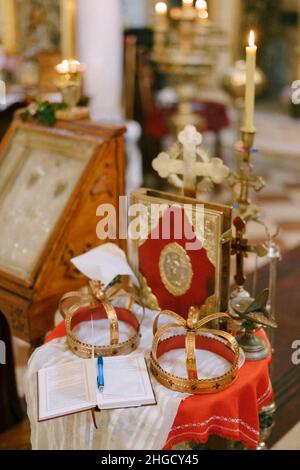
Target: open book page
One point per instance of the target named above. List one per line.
(126, 383)
(72, 387)
(66, 389)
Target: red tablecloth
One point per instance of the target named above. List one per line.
(231, 414)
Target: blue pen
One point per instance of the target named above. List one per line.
(100, 378)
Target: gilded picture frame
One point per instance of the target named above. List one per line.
(32, 27)
(40, 171)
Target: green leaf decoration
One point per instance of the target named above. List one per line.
(43, 112)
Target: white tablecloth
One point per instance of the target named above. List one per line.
(145, 428)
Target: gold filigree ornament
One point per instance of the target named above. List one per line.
(176, 270)
(77, 307)
(196, 337)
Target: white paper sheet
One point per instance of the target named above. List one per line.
(104, 263)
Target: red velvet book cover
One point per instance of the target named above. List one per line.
(181, 261)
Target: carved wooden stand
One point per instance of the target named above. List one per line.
(29, 305)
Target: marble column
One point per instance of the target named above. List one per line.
(100, 47)
(297, 51)
(227, 15)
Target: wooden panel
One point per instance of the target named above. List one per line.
(101, 182)
(15, 308)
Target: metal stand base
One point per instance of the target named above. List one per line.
(255, 348)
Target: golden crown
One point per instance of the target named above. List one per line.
(77, 307)
(196, 337)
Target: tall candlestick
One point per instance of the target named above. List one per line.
(251, 51)
(161, 20)
(68, 29)
(161, 26)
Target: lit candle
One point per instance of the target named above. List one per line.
(161, 9)
(63, 67)
(68, 28)
(161, 23)
(69, 67)
(251, 51)
(161, 20)
(201, 7)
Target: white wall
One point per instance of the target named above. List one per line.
(134, 13)
(138, 13)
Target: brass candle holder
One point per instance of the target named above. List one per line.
(243, 180)
(251, 314)
(69, 82)
(248, 142)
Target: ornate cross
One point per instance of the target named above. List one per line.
(240, 248)
(245, 180)
(189, 167)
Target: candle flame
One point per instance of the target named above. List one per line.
(201, 5)
(69, 66)
(251, 39)
(161, 8)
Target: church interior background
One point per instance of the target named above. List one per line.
(136, 75)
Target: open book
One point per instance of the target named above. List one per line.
(72, 387)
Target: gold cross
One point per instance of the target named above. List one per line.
(189, 167)
(240, 248)
(245, 180)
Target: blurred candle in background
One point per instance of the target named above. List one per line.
(161, 8)
(201, 7)
(68, 29)
(160, 25)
